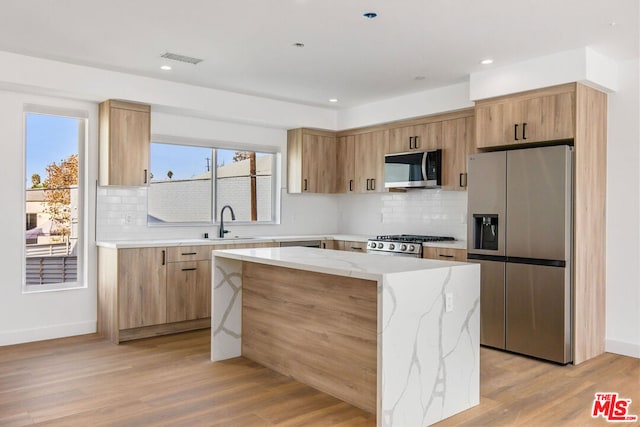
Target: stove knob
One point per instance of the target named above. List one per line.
(403, 247)
(380, 245)
(412, 248)
(372, 245)
(392, 246)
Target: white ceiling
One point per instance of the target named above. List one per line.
(247, 47)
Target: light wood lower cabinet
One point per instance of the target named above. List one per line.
(188, 290)
(144, 292)
(142, 297)
(350, 246)
(444, 254)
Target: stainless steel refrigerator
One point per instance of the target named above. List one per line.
(520, 229)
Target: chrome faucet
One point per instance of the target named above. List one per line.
(233, 218)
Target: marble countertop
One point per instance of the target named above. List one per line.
(351, 264)
(122, 244)
(156, 243)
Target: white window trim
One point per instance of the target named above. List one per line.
(82, 270)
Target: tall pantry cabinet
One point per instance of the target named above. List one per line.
(576, 114)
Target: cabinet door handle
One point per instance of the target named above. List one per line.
(145, 176)
(189, 269)
(415, 142)
(524, 131)
(373, 184)
(189, 253)
(305, 185)
(368, 184)
(410, 142)
(515, 132)
(463, 179)
(350, 185)
(164, 257)
(446, 256)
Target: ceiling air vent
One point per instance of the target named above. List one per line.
(181, 58)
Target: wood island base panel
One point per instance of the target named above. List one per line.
(372, 330)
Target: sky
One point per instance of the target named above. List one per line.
(49, 139)
(184, 161)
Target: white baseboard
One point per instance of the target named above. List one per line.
(47, 332)
(623, 348)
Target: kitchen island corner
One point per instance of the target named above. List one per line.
(398, 337)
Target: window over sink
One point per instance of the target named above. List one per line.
(189, 184)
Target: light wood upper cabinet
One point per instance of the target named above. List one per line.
(142, 282)
(457, 143)
(538, 116)
(424, 137)
(370, 149)
(311, 165)
(125, 137)
(346, 164)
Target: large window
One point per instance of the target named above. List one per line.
(53, 208)
(190, 184)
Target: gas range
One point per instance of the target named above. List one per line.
(402, 244)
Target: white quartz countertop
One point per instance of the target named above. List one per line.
(122, 244)
(351, 264)
(155, 243)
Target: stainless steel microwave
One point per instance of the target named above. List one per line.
(416, 169)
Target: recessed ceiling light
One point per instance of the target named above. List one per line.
(333, 100)
(298, 44)
(486, 61)
(165, 67)
(613, 24)
(370, 15)
(419, 78)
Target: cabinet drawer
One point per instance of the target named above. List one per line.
(444, 254)
(188, 253)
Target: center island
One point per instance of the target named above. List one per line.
(398, 337)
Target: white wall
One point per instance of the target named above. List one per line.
(439, 100)
(623, 214)
(42, 76)
(578, 65)
(34, 316)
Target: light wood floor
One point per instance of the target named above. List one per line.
(87, 381)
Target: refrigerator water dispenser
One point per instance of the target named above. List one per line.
(485, 232)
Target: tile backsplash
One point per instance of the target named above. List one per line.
(433, 212)
(121, 214)
(120, 211)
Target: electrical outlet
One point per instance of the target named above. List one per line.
(448, 302)
(128, 218)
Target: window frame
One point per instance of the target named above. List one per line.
(215, 145)
(82, 116)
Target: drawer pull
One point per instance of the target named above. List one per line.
(355, 248)
(189, 253)
(446, 256)
(189, 269)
